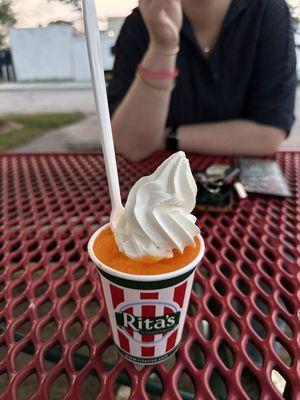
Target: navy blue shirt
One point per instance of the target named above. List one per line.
(250, 75)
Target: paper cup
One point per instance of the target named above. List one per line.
(146, 312)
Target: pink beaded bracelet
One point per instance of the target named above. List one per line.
(157, 75)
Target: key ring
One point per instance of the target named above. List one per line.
(213, 188)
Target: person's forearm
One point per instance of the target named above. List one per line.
(139, 121)
(235, 138)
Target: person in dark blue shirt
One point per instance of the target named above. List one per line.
(235, 91)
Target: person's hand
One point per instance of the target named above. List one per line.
(163, 19)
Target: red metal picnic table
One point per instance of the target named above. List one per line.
(241, 338)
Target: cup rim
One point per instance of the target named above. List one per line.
(142, 278)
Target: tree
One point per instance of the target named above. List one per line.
(7, 19)
(295, 12)
(75, 3)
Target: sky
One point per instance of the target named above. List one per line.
(32, 13)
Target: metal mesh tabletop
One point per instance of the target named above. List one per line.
(242, 334)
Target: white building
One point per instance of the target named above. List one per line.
(114, 25)
(57, 52)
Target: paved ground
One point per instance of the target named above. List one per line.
(39, 98)
(81, 136)
(48, 97)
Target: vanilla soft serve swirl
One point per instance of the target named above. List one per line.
(157, 216)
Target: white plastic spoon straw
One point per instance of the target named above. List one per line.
(100, 94)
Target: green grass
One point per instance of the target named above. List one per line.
(34, 126)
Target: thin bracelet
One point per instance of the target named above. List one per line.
(171, 53)
(157, 75)
(153, 86)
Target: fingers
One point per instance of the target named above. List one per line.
(158, 5)
(153, 6)
(156, 9)
(144, 4)
(169, 4)
(162, 3)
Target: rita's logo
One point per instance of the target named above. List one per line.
(142, 317)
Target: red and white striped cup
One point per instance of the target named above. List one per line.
(146, 312)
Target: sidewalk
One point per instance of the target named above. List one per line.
(64, 85)
(81, 136)
(69, 96)
(33, 98)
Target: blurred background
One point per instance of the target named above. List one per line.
(46, 101)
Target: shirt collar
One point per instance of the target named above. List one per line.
(235, 9)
